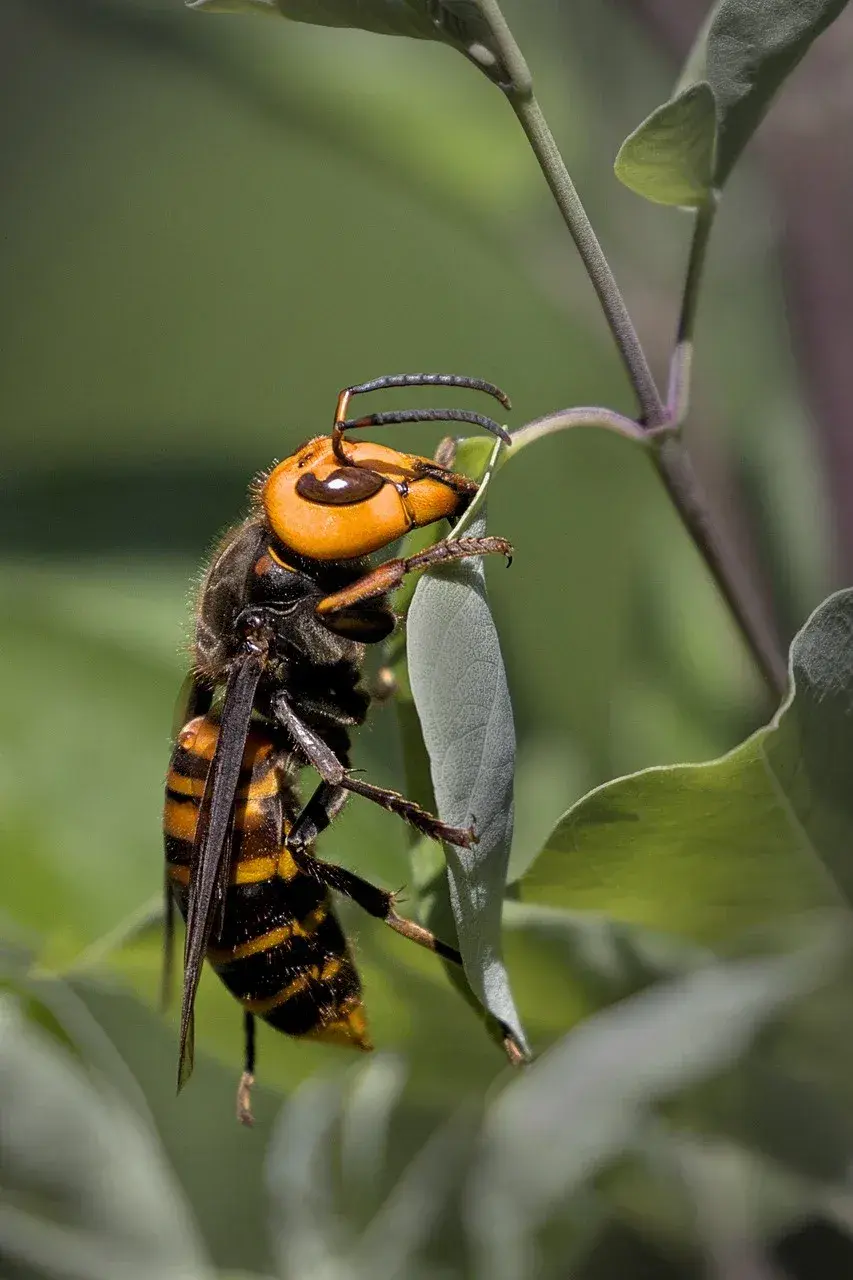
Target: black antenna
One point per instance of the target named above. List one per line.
(429, 380)
(342, 423)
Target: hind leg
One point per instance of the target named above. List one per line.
(247, 1079)
(319, 754)
(379, 903)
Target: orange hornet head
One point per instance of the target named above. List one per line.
(324, 510)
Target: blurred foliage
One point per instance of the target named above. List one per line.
(210, 225)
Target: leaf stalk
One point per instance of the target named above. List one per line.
(519, 92)
(681, 364)
(660, 424)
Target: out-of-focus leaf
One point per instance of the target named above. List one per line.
(776, 1103)
(712, 1196)
(457, 22)
(316, 1221)
(87, 1192)
(708, 850)
(746, 50)
(609, 960)
(243, 1275)
(55, 1005)
(267, 7)
(460, 690)
(366, 1122)
(387, 17)
(669, 158)
(549, 776)
(84, 719)
(310, 1235)
(778, 1108)
(407, 1218)
(578, 1106)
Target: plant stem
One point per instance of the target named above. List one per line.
(541, 140)
(564, 419)
(523, 101)
(658, 422)
(681, 365)
(675, 469)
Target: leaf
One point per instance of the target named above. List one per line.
(460, 690)
(97, 670)
(318, 1224)
(669, 158)
(788, 1100)
(707, 1192)
(267, 7)
(746, 51)
(610, 960)
(457, 22)
(87, 1192)
(709, 850)
(577, 1107)
(311, 1234)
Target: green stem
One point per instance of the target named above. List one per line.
(541, 139)
(659, 423)
(675, 469)
(523, 101)
(565, 419)
(681, 365)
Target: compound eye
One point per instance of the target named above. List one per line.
(341, 488)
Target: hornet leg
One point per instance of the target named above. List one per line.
(247, 1079)
(387, 577)
(379, 903)
(317, 815)
(319, 754)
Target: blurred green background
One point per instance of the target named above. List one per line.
(210, 225)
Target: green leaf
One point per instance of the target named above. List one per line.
(669, 158)
(578, 1106)
(331, 1167)
(97, 671)
(87, 1192)
(267, 7)
(460, 690)
(716, 1197)
(456, 22)
(746, 51)
(709, 850)
(609, 960)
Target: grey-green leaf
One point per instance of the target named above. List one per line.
(324, 1189)
(669, 158)
(577, 1107)
(456, 22)
(460, 690)
(710, 850)
(746, 51)
(88, 1194)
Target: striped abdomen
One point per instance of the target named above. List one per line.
(280, 949)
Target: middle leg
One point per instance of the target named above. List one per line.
(319, 754)
(380, 903)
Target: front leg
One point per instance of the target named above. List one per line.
(387, 577)
(320, 755)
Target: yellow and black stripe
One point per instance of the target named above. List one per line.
(280, 948)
